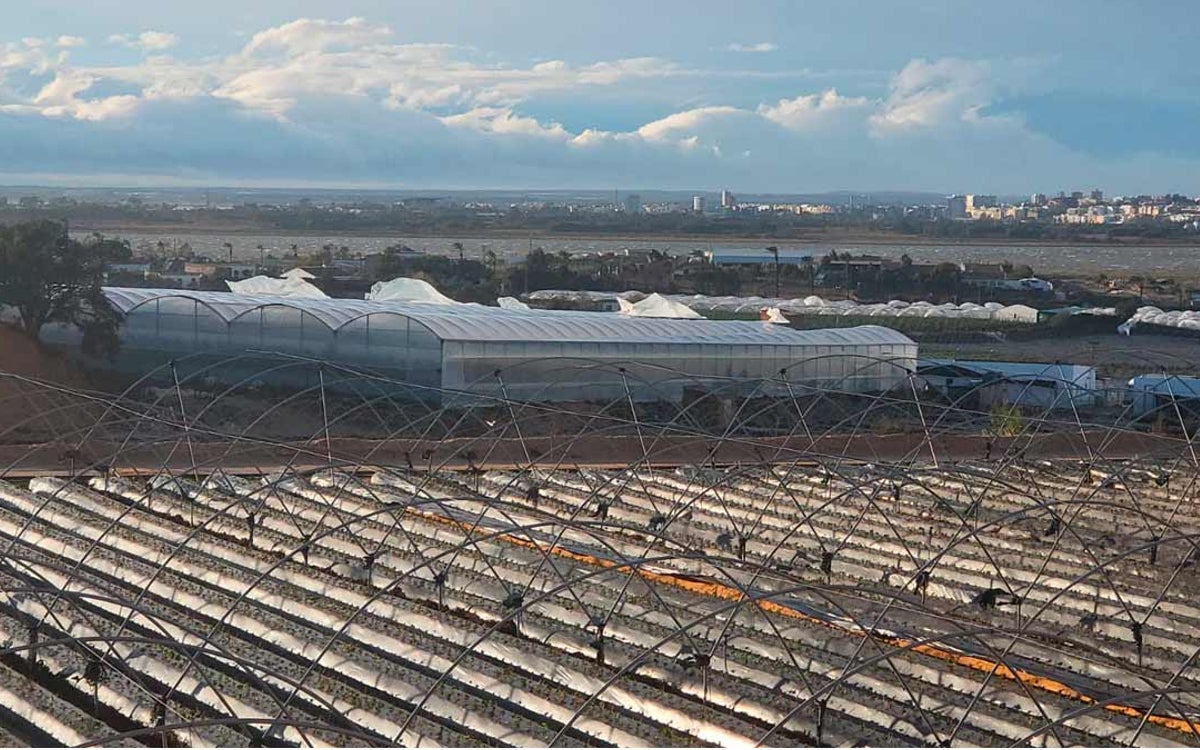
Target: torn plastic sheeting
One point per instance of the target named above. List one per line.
(404, 289)
(512, 303)
(298, 288)
(658, 306)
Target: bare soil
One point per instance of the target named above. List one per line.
(599, 452)
(805, 235)
(42, 394)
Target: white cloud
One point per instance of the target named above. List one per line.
(807, 112)
(34, 59)
(756, 47)
(928, 94)
(66, 40)
(156, 41)
(307, 35)
(505, 122)
(682, 126)
(364, 106)
(60, 98)
(147, 41)
(281, 65)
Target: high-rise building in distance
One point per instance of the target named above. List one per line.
(727, 199)
(981, 201)
(698, 203)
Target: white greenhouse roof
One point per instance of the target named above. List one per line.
(480, 323)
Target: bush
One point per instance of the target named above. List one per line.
(1006, 421)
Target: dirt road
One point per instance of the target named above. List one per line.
(598, 452)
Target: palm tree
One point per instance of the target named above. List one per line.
(261, 254)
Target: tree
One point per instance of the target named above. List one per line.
(50, 278)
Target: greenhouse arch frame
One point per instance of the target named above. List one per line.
(463, 349)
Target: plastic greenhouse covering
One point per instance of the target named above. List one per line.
(490, 351)
(408, 290)
(810, 305)
(658, 306)
(290, 286)
(1150, 315)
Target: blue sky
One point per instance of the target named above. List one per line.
(789, 96)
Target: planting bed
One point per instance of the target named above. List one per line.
(1045, 603)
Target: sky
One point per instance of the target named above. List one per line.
(758, 96)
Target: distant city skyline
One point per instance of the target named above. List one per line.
(777, 97)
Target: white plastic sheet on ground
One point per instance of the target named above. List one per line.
(511, 303)
(658, 306)
(810, 305)
(290, 287)
(297, 273)
(404, 289)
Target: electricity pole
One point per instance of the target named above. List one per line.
(775, 251)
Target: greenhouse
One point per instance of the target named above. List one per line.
(476, 352)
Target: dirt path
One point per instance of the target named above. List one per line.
(597, 452)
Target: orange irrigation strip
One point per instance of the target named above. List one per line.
(721, 591)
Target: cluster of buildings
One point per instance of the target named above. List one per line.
(632, 203)
(1075, 208)
(201, 273)
(729, 203)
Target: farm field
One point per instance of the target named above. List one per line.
(1041, 603)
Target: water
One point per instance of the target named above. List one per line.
(1044, 259)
